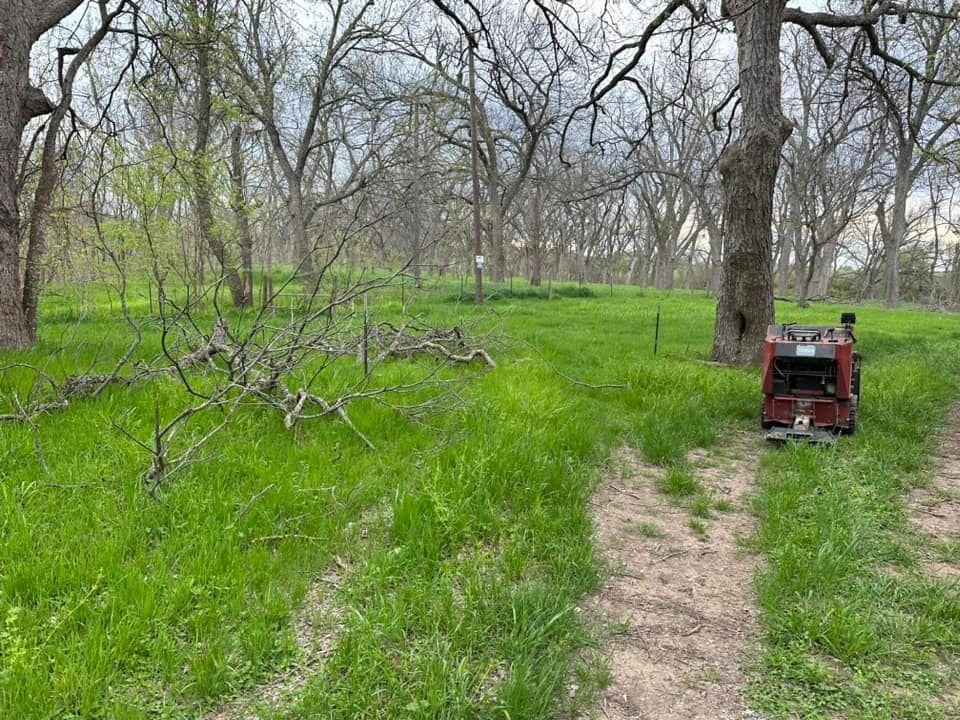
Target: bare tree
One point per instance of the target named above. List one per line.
(750, 164)
(202, 42)
(22, 22)
(520, 71)
(923, 117)
(265, 58)
(829, 162)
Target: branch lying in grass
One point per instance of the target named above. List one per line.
(251, 369)
(465, 358)
(24, 415)
(699, 361)
(301, 365)
(35, 432)
(572, 381)
(75, 387)
(250, 502)
(409, 340)
(295, 414)
(278, 538)
(291, 367)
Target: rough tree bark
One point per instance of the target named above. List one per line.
(748, 170)
(16, 37)
(22, 22)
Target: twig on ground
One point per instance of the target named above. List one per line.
(246, 508)
(291, 536)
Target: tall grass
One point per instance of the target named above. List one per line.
(466, 544)
(852, 625)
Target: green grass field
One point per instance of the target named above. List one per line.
(464, 543)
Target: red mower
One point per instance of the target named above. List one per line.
(811, 382)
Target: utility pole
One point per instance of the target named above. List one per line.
(475, 171)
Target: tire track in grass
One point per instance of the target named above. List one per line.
(678, 607)
(935, 512)
(935, 508)
(316, 629)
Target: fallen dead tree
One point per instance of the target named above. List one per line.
(59, 395)
(277, 365)
(410, 340)
(283, 361)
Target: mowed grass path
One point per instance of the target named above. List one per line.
(463, 546)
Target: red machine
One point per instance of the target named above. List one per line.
(811, 381)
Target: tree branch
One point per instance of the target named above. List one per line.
(49, 13)
(812, 21)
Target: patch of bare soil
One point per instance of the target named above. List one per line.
(679, 605)
(316, 628)
(935, 509)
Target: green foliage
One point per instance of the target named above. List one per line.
(522, 291)
(701, 506)
(467, 544)
(699, 527)
(649, 530)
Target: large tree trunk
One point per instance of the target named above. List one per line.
(302, 246)
(897, 226)
(536, 266)
(22, 22)
(664, 265)
(825, 268)
(16, 37)
(748, 170)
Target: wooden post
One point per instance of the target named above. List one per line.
(475, 170)
(656, 332)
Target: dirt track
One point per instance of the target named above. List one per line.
(316, 629)
(678, 607)
(935, 509)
